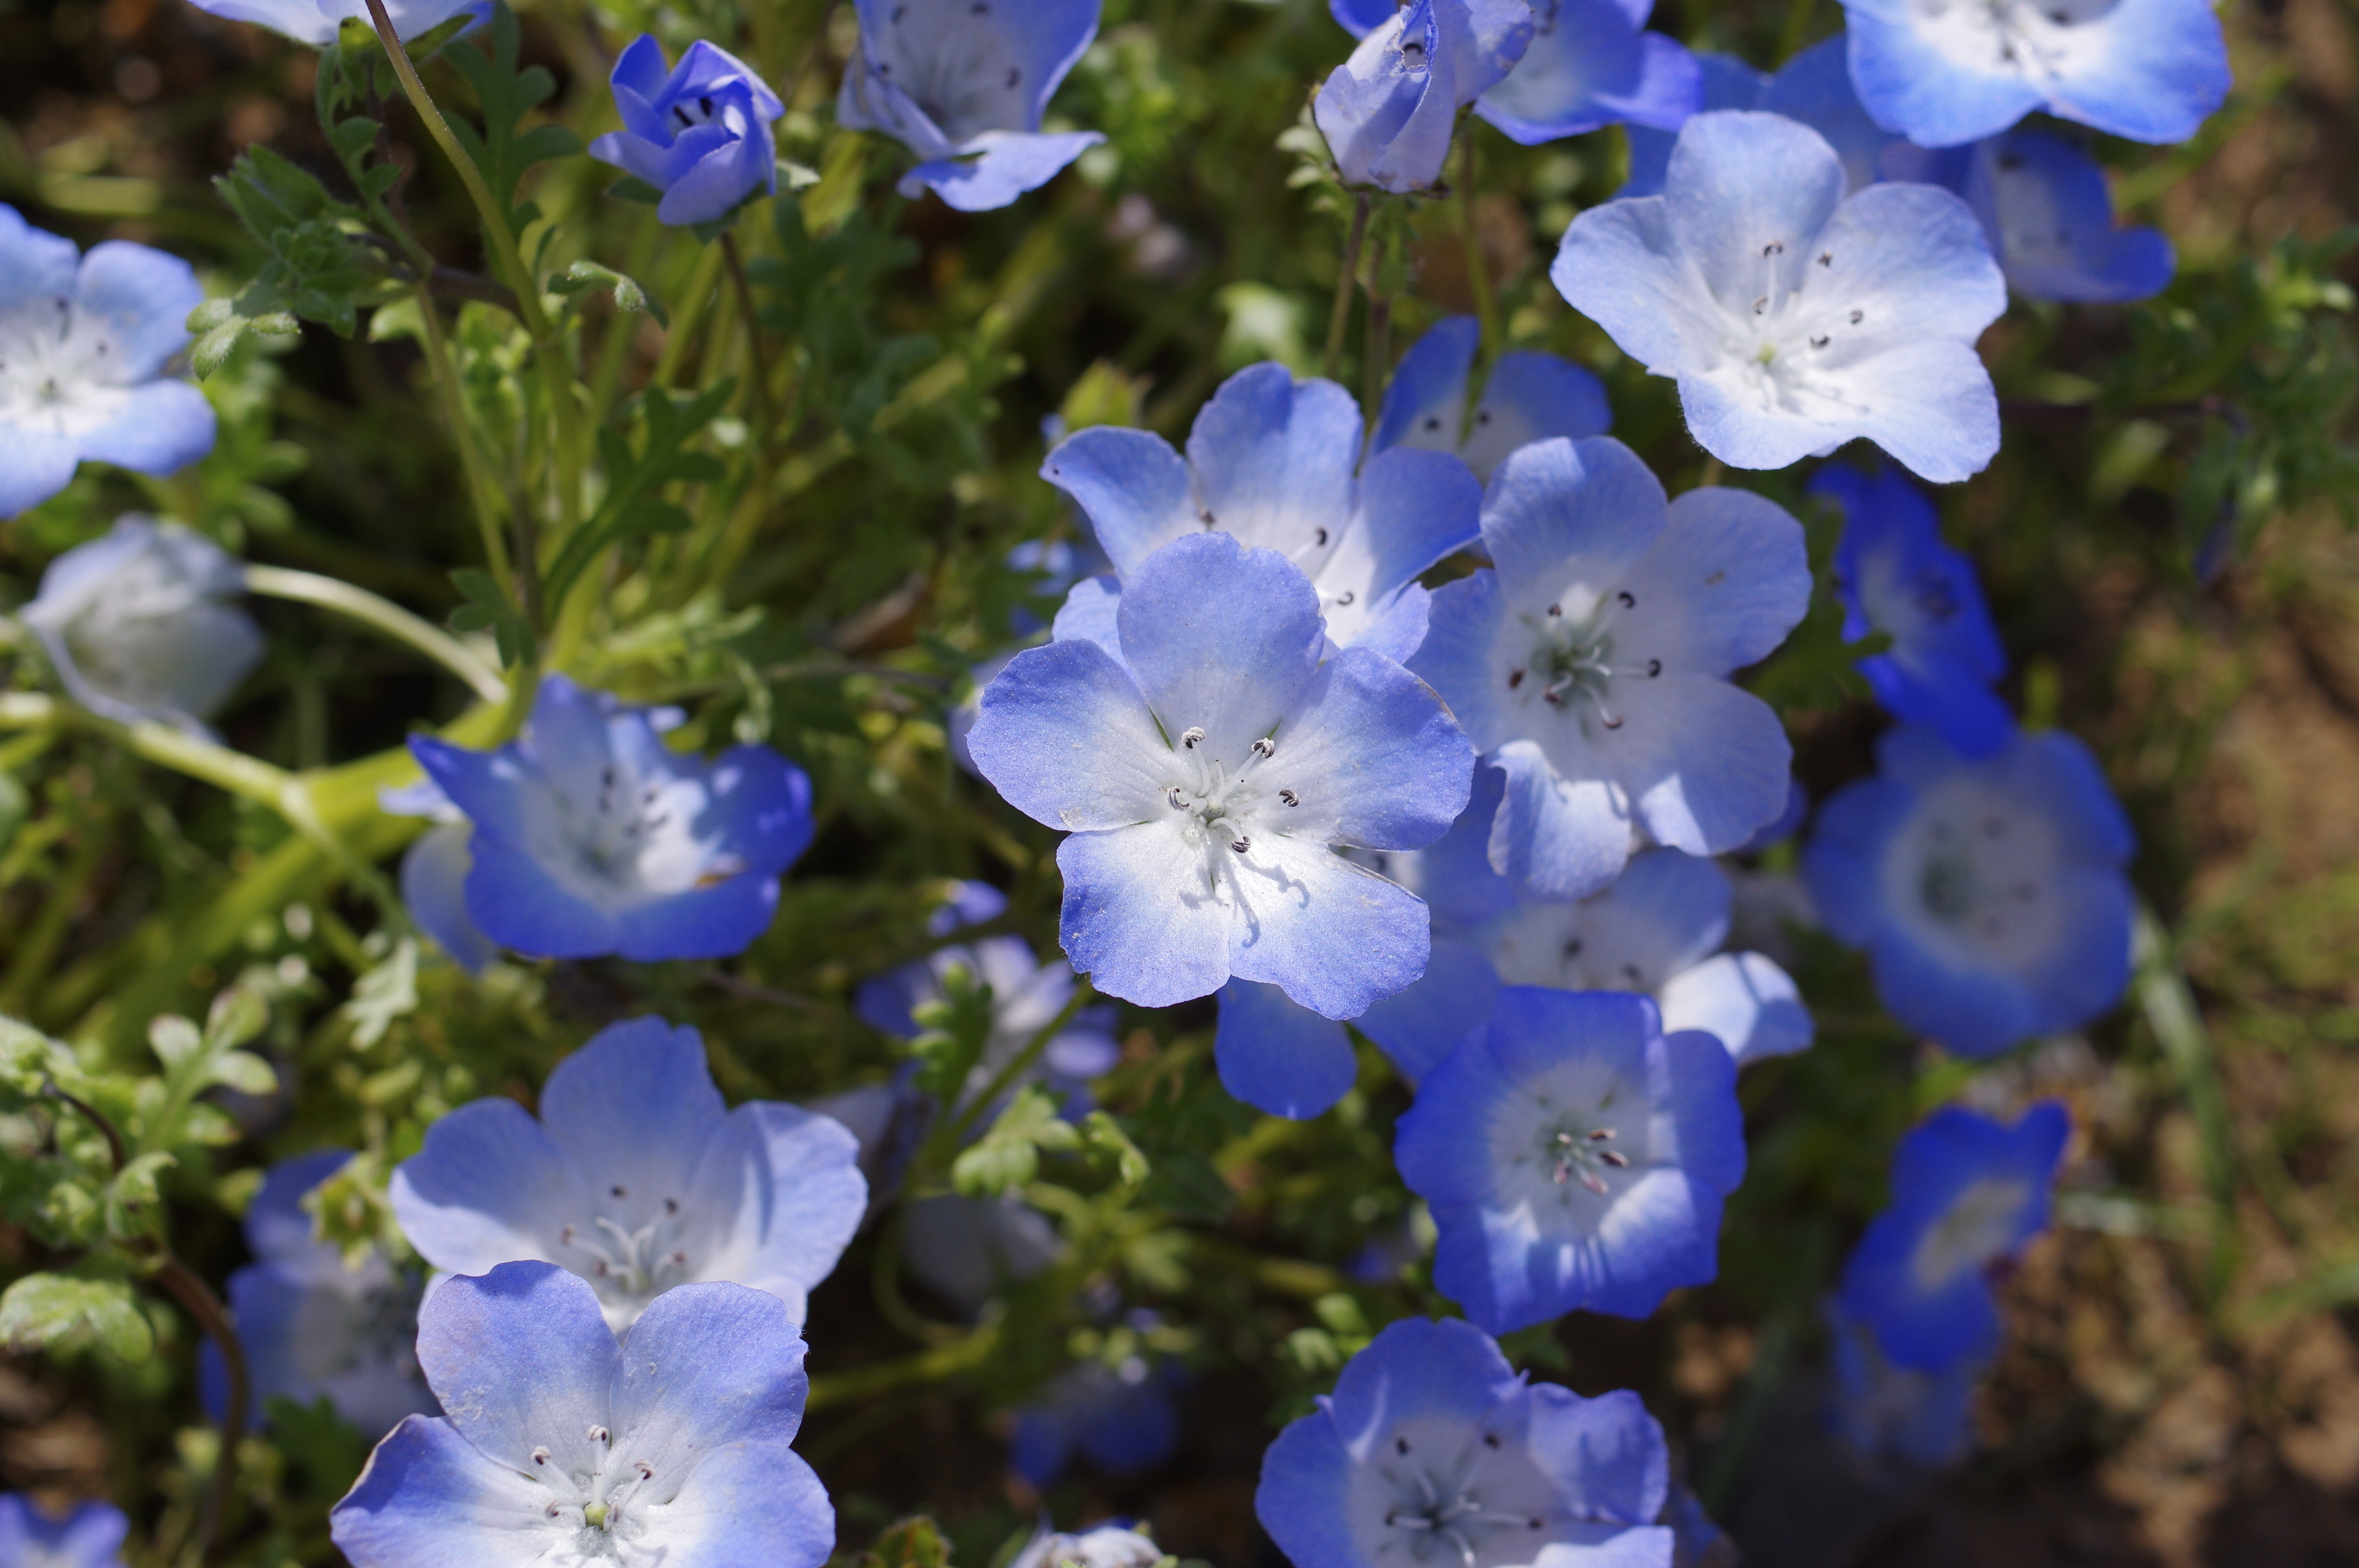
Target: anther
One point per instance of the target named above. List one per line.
(1773, 248)
(1193, 736)
(1601, 1135)
(1401, 1445)
(671, 1206)
(1241, 844)
(1819, 343)
(1319, 536)
(1654, 668)
(1265, 746)
(1761, 305)
(1556, 610)
(646, 1470)
(1536, 1521)
(619, 1190)
(1614, 1158)
(1014, 76)
(1593, 1182)
(1490, 1439)
(553, 1509)
(565, 1237)
(1345, 596)
(1514, 680)
(600, 1435)
(1289, 796)
(1857, 317)
(541, 1455)
(1171, 793)
(1826, 258)
(1628, 600)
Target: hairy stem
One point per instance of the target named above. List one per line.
(1340, 318)
(382, 615)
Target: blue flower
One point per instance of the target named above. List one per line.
(315, 22)
(1204, 776)
(1726, 83)
(1967, 1192)
(85, 344)
(434, 873)
(700, 131)
(593, 837)
(1119, 1419)
(1592, 665)
(558, 1446)
(1587, 64)
(1574, 1156)
(2045, 206)
(1989, 894)
(141, 624)
(1270, 461)
(1795, 320)
(1115, 1545)
(1895, 575)
(962, 84)
(638, 1178)
(1944, 75)
(1433, 1452)
(1388, 111)
(314, 1327)
(1880, 1410)
(1529, 397)
(91, 1536)
(1027, 995)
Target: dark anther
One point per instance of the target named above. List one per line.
(1014, 76)
(619, 1190)
(1206, 513)
(1601, 1135)
(1401, 1445)
(1773, 249)
(541, 1455)
(1481, 416)
(1826, 258)
(899, 12)
(1432, 422)
(1819, 343)
(1628, 600)
(1534, 1521)
(2010, 161)
(1857, 317)
(1614, 1158)
(1760, 304)
(1490, 1439)
(1630, 972)
(1266, 747)
(1240, 845)
(1572, 948)
(671, 1206)
(1192, 735)
(1654, 668)
(1345, 596)
(1556, 610)
(1514, 680)
(1289, 796)
(646, 1470)
(1550, 696)
(1319, 535)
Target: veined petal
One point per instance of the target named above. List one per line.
(1219, 637)
(1142, 915)
(1724, 583)
(1130, 485)
(710, 1366)
(1064, 734)
(1278, 1056)
(1375, 758)
(431, 1500)
(1273, 460)
(521, 1358)
(1334, 936)
(488, 1186)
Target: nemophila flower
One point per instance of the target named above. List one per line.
(1592, 664)
(1271, 460)
(90, 1535)
(85, 342)
(2045, 206)
(1942, 75)
(1882, 1410)
(1813, 87)
(1205, 777)
(1027, 995)
(314, 1325)
(638, 1178)
(698, 132)
(1989, 894)
(1433, 1453)
(1574, 1156)
(1796, 320)
(142, 624)
(1724, 81)
(434, 873)
(1896, 576)
(1529, 397)
(315, 22)
(1113, 1545)
(962, 85)
(1119, 1419)
(1388, 111)
(1967, 1192)
(558, 1446)
(593, 837)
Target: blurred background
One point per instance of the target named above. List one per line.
(2167, 541)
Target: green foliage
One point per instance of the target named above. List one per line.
(315, 268)
(504, 148)
(58, 1313)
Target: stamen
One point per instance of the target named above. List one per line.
(541, 1455)
(1321, 535)
(1265, 746)
(1178, 801)
(1192, 737)
(1289, 796)
(1514, 680)
(600, 1435)
(1241, 844)
(1628, 600)
(1614, 1158)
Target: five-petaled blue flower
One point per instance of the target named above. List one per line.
(1592, 665)
(1205, 775)
(1433, 1453)
(558, 1446)
(90, 1536)
(1945, 74)
(315, 22)
(85, 344)
(1885, 1411)
(1027, 995)
(1574, 1156)
(593, 837)
(1528, 397)
(638, 1178)
(1967, 1192)
(1895, 575)
(1588, 63)
(1388, 111)
(962, 84)
(1989, 894)
(1795, 320)
(1271, 460)
(314, 1326)
(698, 132)
(140, 624)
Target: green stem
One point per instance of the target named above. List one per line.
(1478, 270)
(1339, 318)
(383, 615)
(37, 949)
(931, 1365)
(757, 358)
(481, 487)
(951, 1135)
(559, 376)
(1379, 355)
(183, 1284)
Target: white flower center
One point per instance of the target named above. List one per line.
(60, 368)
(1978, 1228)
(2039, 39)
(620, 841)
(1591, 945)
(1571, 668)
(629, 1268)
(1216, 808)
(955, 65)
(1570, 1143)
(1977, 874)
(1457, 1495)
(595, 1513)
(1788, 339)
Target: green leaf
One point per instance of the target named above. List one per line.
(489, 609)
(387, 991)
(1008, 1155)
(631, 509)
(53, 1312)
(505, 94)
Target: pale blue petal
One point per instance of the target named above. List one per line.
(1556, 839)
(34, 263)
(1530, 397)
(2166, 72)
(431, 1500)
(632, 1108)
(1425, 403)
(1607, 1452)
(434, 888)
(1373, 756)
(1464, 623)
(521, 1358)
(711, 1366)
(1273, 460)
(1814, 87)
(1140, 916)
(1219, 636)
(1740, 180)
(1704, 763)
(1743, 1000)
(1415, 507)
(2050, 216)
(1065, 736)
(1912, 89)
(1621, 267)
(1132, 487)
(1418, 1026)
(1013, 162)
(34, 466)
(1728, 83)
(1721, 589)
(1279, 1057)
(1334, 936)
(144, 296)
(489, 1185)
(165, 425)
(1594, 67)
(788, 1185)
(1559, 509)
